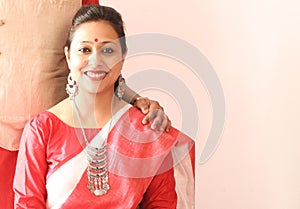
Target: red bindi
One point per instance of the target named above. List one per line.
(96, 40)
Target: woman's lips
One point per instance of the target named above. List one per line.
(96, 75)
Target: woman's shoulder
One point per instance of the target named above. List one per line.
(44, 120)
(62, 112)
(138, 145)
(131, 127)
(38, 128)
(130, 131)
(131, 121)
(49, 118)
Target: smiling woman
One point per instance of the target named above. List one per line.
(91, 150)
(95, 65)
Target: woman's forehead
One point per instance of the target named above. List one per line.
(97, 31)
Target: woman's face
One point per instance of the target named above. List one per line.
(95, 57)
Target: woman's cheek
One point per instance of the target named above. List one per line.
(78, 64)
(77, 68)
(112, 61)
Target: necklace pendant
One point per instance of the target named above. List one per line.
(99, 192)
(98, 189)
(97, 171)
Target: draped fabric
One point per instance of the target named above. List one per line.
(52, 163)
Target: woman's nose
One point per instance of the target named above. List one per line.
(96, 59)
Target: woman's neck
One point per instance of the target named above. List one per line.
(94, 110)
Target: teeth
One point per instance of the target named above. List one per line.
(96, 75)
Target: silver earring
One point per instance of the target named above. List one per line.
(71, 87)
(121, 87)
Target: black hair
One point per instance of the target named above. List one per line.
(94, 13)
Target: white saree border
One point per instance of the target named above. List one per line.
(62, 182)
(185, 181)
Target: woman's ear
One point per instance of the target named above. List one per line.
(67, 54)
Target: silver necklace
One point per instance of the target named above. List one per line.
(97, 172)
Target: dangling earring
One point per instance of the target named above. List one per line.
(121, 87)
(71, 87)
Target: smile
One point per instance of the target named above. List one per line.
(96, 75)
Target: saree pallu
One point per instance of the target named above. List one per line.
(142, 165)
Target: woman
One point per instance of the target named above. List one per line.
(30, 84)
(90, 150)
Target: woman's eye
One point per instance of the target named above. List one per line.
(84, 50)
(107, 50)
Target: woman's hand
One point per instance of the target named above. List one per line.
(154, 114)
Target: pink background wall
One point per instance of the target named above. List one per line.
(254, 48)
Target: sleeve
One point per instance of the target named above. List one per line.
(30, 175)
(161, 192)
(85, 2)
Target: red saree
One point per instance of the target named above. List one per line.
(52, 163)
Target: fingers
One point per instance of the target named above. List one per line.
(143, 103)
(153, 105)
(165, 124)
(169, 124)
(159, 120)
(155, 117)
(154, 114)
